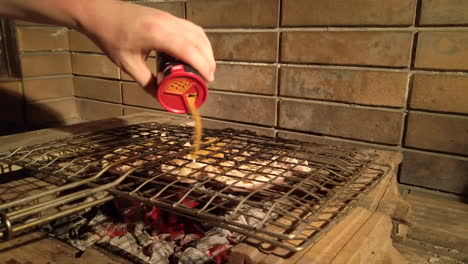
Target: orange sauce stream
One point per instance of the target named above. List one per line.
(191, 98)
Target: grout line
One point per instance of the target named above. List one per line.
(342, 104)
(278, 59)
(44, 52)
(408, 95)
(349, 67)
(42, 77)
(98, 101)
(50, 100)
(440, 114)
(368, 28)
(417, 13)
(463, 156)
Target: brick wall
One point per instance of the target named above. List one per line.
(44, 94)
(389, 74)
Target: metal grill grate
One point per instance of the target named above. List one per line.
(279, 191)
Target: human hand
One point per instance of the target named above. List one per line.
(127, 33)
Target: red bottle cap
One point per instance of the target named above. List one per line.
(175, 87)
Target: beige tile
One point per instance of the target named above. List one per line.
(233, 13)
(175, 8)
(95, 110)
(45, 64)
(378, 48)
(440, 93)
(444, 12)
(251, 46)
(345, 12)
(47, 88)
(245, 78)
(94, 88)
(215, 124)
(237, 107)
(94, 65)
(442, 50)
(135, 95)
(435, 132)
(42, 38)
(360, 87)
(342, 121)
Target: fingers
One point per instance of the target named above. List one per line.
(189, 43)
(140, 72)
(192, 55)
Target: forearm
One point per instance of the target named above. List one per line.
(126, 32)
(69, 13)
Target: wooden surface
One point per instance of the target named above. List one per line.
(363, 236)
(36, 247)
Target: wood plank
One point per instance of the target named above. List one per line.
(36, 247)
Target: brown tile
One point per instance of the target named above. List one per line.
(133, 94)
(350, 48)
(130, 110)
(361, 87)
(233, 13)
(440, 93)
(93, 110)
(244, 108)
(442, 133)
(51, 111)
(342, 121)
(10, 89)
(324, 140)
(45, 64)
(442, 50)
(94, 65)
(100, 89)
(345, 12)
(11, 115)
(47, 88)
(245, 78)
(251, 46)
(444, 12)
(436, 172)
(215, 124)
(11, 106)
(42, 39)
(150, 62)
(80, 42)
(174, 8)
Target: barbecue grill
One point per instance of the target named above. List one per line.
(308, 187)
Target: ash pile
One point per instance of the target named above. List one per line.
(147, 234)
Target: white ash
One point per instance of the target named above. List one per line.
(253, 216)
(128, 243)
(216, 236)
(193, 256)
(83, 244)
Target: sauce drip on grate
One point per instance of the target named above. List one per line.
(191, 98)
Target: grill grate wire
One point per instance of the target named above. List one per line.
(304, 188)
